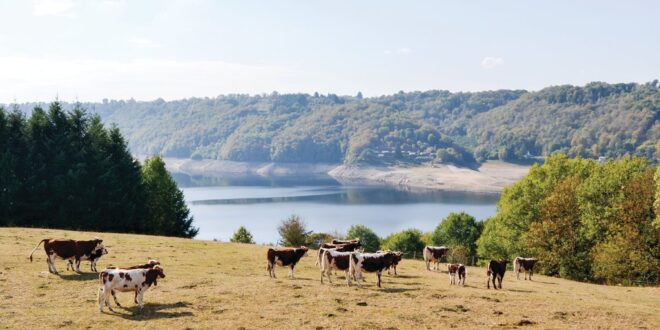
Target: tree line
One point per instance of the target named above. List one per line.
(583, 219)
(591, 121)
(65, 169)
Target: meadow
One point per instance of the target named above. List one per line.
(226, 286)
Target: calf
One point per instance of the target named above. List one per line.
(284, 257)
(397, 258)
(127, 280)
(93, 258)
(332, 259)
(524, 264)
(371, 263)
(454, 269)
(433, 254)
(496, 270)
(68, 249)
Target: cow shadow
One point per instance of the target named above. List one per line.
(405, 276)
(518, 290)
(153, 311)
(78, 276)
(398, 290)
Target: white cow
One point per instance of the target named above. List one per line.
(331, 259)
(127, 280)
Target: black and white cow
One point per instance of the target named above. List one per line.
(433, 254)
(333, 259)
(456, 269)
(371, 263)
(127, 280)
(521, 264)
(287, 257)
(496, 270)
(72, 251)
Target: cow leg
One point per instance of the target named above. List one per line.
(530, 274)
(114, 297)
(77, 262)
(378, 274)
(140, 299)
(329, 274)
(499, 279)
(51, 263)
(92, 266)
(348, 278)
(291, 271)
(395, 274)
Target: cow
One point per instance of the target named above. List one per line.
(333, 259)
(433, 254)
(127, 280)
(397, 258)
(524, 264)
(68, 249)
(340, 247)
(496, 270)
(453, 270)
(340, 241)
(150, 264)
(371, 263)
(93, 258)
(284, 257)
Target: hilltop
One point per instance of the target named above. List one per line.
(222, 285)
(595, 120)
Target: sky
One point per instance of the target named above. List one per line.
(88, 50)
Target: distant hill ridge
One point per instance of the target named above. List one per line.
(595, 120)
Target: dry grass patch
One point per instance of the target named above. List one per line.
(222, 285)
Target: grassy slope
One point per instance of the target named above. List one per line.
(217, 285)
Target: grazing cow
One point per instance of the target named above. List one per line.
(454, 269)
(151, 264)
(371, 263)
(524, 264)
(496, 270)
(332, 259)
(284, 257)
(433, 254)
(397, 258)
(127, 280)
(339, 247)
(68, 249)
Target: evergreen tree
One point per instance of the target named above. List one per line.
(167, 210)
(242, 235)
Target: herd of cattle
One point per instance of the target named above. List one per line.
(348, 256)
(339, 255)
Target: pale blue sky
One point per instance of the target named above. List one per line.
(90, 50)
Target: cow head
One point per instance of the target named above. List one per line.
(304, 249)
(153, 274)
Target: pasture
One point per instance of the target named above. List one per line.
(223, 285)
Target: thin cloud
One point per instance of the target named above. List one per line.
(491, 62)
(37, 79)
(52, 8)
(143, 42)
(403, 51)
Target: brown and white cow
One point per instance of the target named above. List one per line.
(371, 263)
(71, 250)
(524, 264)
(284, 257)
(149, 265)
(339, 247)
(453, 270)
(345, 241)
(127, 280)
(433, 254)
(397, 259)
(496, 270)
(333, 259)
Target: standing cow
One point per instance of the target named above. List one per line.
(496, 270)
(433, 254)
(371, 263)
(456, 269)
(332, 259)
(284, 257)
(524, 264)
(69, 250)
(127, 280)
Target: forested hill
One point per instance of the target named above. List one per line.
(595, 120)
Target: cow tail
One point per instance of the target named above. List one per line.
(35, 248)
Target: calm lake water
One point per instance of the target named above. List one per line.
(221, 206)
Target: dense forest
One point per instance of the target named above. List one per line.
(64, 169)
(596, 120)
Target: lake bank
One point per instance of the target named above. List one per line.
(490, 177)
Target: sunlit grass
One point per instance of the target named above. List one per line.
(222, 285)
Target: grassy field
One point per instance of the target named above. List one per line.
(225, 286)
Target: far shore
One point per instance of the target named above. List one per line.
(490, 177)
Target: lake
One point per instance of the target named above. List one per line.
(220, 206)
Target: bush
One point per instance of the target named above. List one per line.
(242, 235)
(369, 240)
(315, 240)
(458, 230)
(408, 241)
(293, 232)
